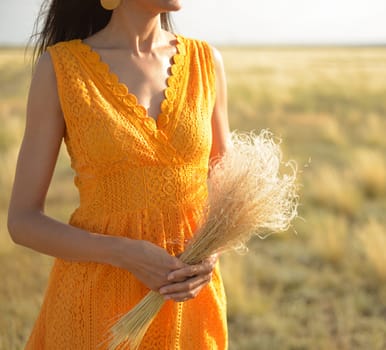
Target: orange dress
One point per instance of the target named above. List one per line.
(140, 178)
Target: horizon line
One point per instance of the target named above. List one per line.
(255, 44)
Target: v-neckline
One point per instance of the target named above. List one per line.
(124, 94)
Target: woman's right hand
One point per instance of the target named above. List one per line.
(150, 263)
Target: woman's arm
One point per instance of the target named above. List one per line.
(220, 121)
(27, 223)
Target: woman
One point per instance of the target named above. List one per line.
(142, 112)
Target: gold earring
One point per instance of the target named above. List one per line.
(110, 4)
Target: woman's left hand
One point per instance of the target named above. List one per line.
(187, 282)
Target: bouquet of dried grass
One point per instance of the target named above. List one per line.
(247, 195)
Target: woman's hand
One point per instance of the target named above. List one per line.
(187, 282)
(150, 263)
(162, 272)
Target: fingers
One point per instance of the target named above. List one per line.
(186, 290)
(186, 282)
(204, 268)
(176, 264)
(152, 264)
(186, 272)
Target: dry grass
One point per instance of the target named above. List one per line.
(322, 289)
(329, 187)
(329, 237)
(369, 167)
(373, 238)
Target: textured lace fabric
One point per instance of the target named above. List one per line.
(140, 178)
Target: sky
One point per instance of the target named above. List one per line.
(245, 21)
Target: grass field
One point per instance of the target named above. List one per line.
(323, 288)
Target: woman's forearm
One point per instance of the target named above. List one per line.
(44, 234)
(151, 264)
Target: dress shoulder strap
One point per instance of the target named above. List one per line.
(202, 64)
(71, 78)
(65, 62)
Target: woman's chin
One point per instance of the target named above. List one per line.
(172, 5)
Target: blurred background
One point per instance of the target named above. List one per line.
(314, 73)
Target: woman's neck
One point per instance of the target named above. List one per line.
(134, 28)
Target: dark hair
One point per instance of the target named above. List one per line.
(63, 20)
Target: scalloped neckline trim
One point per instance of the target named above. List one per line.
(123, 93)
